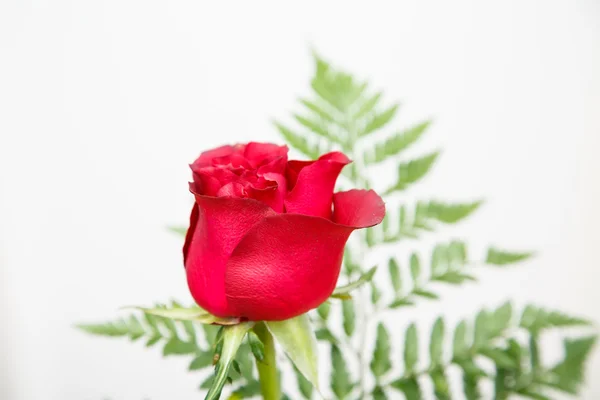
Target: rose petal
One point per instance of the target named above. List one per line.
(284, 266)
(216, 227)
(209, 180)
(258, 153)
(206, 157)
(313, 192)
(358, 208)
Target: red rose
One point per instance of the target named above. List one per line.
(267, 235)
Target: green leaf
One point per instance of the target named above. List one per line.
(256, 346)
(439, 260)
(500, 319)
(402, 302)
(481, 329)
(232, 339)
(120, 327)
(536, 319)
(326, 335)
(318, 110)
(396, 143)
(250, 389)
(471, 387)
(409, 386)
(460, 345)
(346, 289)
(202, 360)
(411, 348)
(451, 213)
(304, 386)
(500, 358)
(499, 257)
(380, 364)
(380, 120)
(436, 345)
(375, 293)
(180, 230)
(454, 278)
(394, 270)
(324, 309)
(368, 105)
(340, 378)
(349, 317)
(298, 142)
(316, 127)
(425, 293)
(176, 346)
(533, 395)
(379, 394)
(298, 341)
(441, 386)
(210, 333)
(153, 340)
(412, 171)
(194, 313)
(415, 268)
(570, 372)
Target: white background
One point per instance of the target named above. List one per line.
(103, 104)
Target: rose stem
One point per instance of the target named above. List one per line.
(267, 369)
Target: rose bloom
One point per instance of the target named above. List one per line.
(267, 235)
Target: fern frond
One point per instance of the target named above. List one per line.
(425, 217)
(492, 336)
(413, 171)
(395, 144)
(536, 319)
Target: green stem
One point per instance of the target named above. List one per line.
(267, 369)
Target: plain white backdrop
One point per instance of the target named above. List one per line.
(104, 103)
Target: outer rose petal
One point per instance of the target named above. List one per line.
(313, 192)
(216, 227)
(358, 208)
(288, 264)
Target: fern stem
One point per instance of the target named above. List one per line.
(267, 369)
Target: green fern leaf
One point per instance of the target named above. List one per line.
(441, 386)
(319, 110)
(318, 128)
(395, 144)
(349, 316)
(394, 271)
(570, 372)
(304, 385)
(411, 348)
(380, 120)
(415, 268)
(298, 142)
(120, 327)
(536, 319)
(177, 347)
(436, 344)
(202, 360)
(410, 387)
(451, 213)
(368, 105)
(460, 345)
(340, 378)
(499, 257)
(380, 364)
(413, 171)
